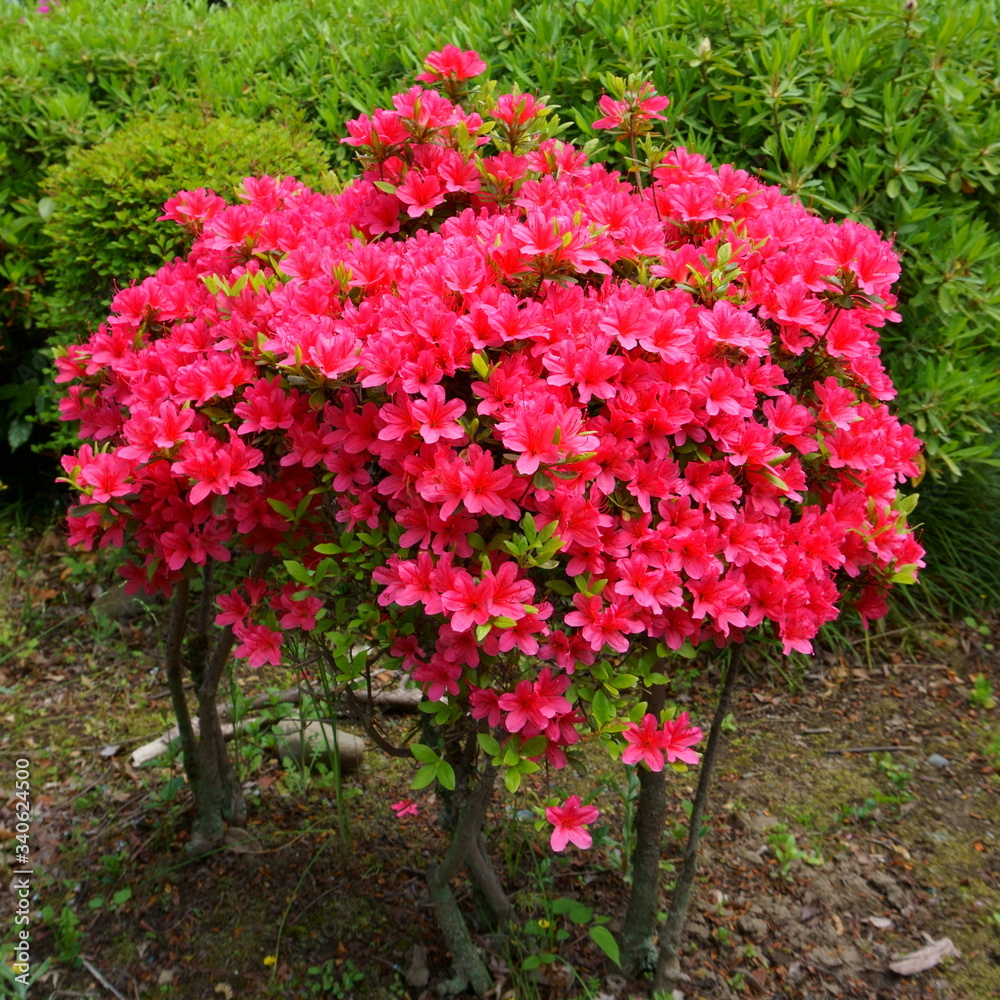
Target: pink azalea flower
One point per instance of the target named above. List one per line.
(569, 821)
(405, 807)
(647, 744)
(678, 737)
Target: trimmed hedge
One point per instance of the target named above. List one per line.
(105, 201)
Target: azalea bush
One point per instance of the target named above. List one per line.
(517, 426)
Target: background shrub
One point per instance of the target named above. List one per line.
(869, 111)
(105, 200)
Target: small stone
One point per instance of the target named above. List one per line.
(826, 957)
(753, 927)
(415, 971)
(117, 606)
(936, 760)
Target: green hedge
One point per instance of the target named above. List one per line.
(866, 110)
(104, 201)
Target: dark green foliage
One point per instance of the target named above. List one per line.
(881, 111)
(105, 200)
(962, 536)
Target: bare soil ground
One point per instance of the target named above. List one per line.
(825, 858)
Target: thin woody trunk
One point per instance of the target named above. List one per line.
(668, 972)
(220, 800)
(468, 969)
(638, 950)
(175, 684)
(484, 877)
(218, 797)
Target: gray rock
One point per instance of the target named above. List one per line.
(415, 971)
(753, 927)
(936, 760)
(321, 741)
(759, 823)
(826, 957)
(118, 606)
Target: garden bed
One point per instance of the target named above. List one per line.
(903, 842)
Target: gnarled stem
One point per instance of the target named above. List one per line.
(220, 798)
(638, 949)
(175, 683)
(668, 964)
(485, 878)
(468, 968)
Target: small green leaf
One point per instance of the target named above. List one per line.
(424, 753)
(605, 940)
(297, 571)
(528, 527)
(489, 744)
(446, 775)
(424, 776)
(602, 708)
(623, 681)
(512, 779)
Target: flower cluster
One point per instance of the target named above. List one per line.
(570, 417)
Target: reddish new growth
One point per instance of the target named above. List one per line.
(582, 417)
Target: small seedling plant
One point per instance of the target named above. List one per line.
(786, 850)
(981, 694)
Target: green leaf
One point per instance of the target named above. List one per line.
(424, 776)
(512, 779)
(482, 631)
(489, 744)
(905, 574)
(121, 896)
(18, 433)
(424, 753)
(623, 681)
(297, 571)
(534, 747)
(528, 527)
(605, 940)
(602, 708)
(446, 775)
